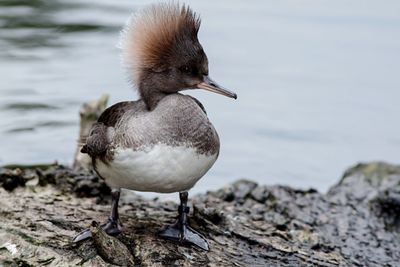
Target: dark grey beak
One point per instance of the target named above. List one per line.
(212, 86)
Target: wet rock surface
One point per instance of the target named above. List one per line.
(357, 223)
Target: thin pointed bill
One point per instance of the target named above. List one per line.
(212, 86)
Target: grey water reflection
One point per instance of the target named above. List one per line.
(317, 82)
(36, 23)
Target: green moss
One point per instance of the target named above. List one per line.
(374, 172)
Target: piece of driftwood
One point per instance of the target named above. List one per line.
(89, 113)
(357, 223)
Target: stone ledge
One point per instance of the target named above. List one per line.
(356, 223)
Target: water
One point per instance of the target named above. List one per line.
(318, 82)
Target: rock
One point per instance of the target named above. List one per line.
(357, 223)
(10, 179)
(110, 248)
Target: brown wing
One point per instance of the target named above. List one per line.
(97, 142)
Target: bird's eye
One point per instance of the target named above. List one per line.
(186, 69)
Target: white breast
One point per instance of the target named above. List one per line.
(161, 168)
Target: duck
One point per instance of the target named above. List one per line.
(163, 142)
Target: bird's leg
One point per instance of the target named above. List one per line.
(180, 231)
(112, 226)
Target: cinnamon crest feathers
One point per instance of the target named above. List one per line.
(159, 36)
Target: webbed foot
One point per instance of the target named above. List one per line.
(184, 234)
(111, 227)
(180, 231)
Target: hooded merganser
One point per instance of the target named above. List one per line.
(162, 142)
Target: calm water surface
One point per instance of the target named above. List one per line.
(318, 82)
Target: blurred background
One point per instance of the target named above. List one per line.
(318, 82)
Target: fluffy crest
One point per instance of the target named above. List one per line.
(154, 36)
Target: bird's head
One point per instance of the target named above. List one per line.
(163, 55)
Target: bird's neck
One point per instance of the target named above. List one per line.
(150, 94)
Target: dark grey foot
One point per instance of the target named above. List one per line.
(184, 234)
(180, 231)
(110, 227)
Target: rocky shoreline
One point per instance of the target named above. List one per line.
(357, 223)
